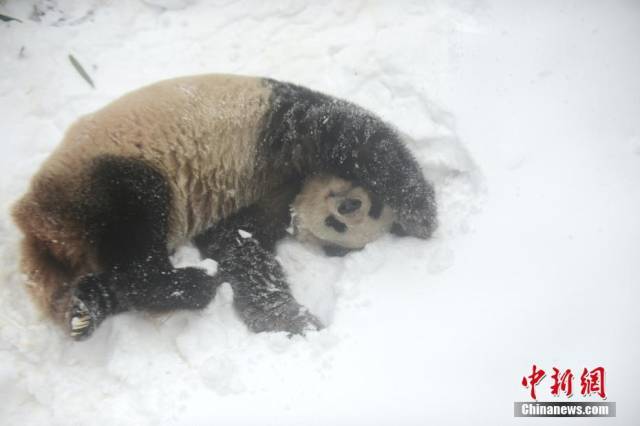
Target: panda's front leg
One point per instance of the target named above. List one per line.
(243, 246)
(262, 297)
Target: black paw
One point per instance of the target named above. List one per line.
(82, 322)
(291, 318)
(302, 323)
(91, 302)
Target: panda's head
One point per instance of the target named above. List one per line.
(338, 216)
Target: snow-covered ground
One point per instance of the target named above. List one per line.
(536, 260)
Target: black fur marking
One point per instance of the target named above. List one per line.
(126, 214)
(126, 211)
(267, 222)
(262, 297)
(334, 223)
(349, 205)
(308, 132)
(376, 207)
(398, 230)
(333, 250)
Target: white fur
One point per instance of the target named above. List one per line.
(319, 198)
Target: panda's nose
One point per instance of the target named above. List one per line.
(349, 205)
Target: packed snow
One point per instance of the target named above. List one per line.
(525, 116)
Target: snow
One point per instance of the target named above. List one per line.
(244, 234)
(525, 116)
(188, 256)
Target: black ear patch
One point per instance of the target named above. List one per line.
(334, 223)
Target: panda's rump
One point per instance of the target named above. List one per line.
(200, 132)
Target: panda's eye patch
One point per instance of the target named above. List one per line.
(349, 205)
(334, 223)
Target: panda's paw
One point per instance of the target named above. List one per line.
(302, 323)
(82, 323)
(292, 318)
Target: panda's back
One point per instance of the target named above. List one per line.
(200, 132)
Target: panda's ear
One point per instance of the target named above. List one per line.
(398, 230)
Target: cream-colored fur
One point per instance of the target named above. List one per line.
(199, 131)
(320, 197)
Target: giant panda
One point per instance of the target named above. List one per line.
(217, 159)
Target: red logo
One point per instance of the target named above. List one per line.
(562, 382)
(591, 382)
(533, 380)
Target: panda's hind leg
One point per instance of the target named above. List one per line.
(126, 210)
